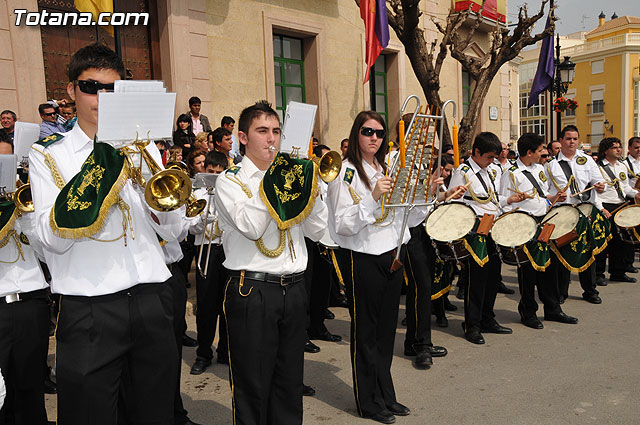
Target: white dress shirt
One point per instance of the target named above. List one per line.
(470, 171)
(516, 180)
(610, 194)
(197, 224)
(23, 275)
(85, 266)
(352, 224)
(586, 174)
(243, 220)
(171, 248)
(633, 166)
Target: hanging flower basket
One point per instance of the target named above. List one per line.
(563, 104)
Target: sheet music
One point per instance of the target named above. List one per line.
(298, 128)
(26, 134)
(8, 172)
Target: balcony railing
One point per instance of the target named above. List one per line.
(597, 107)
(604, 44)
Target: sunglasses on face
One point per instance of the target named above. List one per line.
(368, 131)
(50, 114)
(544, 156)
(93, 87)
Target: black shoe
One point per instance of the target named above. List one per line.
(622, 278)
(398, 409)
(308, 391)
(423, 360)
(384, 417)
(187, 341)
(495, 328)
(443, 322)
(448, 306)
(592, 298)
(600, 280)
(325, 336)
(474, 337)
(200, 365)
(409, 351)
(437, 351)
(328, 315)
(502, 289)
(50, 387)
(631, 269)
(561, 317)
(532, 322)
(340, 302)
(310, 347)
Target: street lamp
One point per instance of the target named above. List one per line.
(565, 72)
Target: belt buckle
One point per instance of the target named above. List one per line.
(282, 283)
(12, 298)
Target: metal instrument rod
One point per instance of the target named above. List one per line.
(405, 217)
(204, 234)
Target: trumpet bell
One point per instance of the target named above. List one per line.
(167, 190)
(23, 199)
(329, 165)
(195, 206)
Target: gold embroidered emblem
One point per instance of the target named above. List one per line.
(623, 176)
(543, 177)
(581, 160)
(493, 173)
(284, 196)
(348, 175)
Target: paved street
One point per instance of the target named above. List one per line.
(564, 374)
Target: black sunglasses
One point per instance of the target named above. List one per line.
(50, 114)
(544, 156)
(368, 131)
(93, 87)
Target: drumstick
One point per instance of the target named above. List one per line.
(580, 193)
(543, 222)
(448, 198)
(528, 195)
(616, 210)
(558, 198)
(510, 212)
(386, 175)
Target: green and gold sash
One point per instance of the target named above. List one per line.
(8, 214)
(477, 246)
(577, 256)
(601, 231)
(82, 205)
(289, 189)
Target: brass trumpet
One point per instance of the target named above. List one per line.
(22, 198)
(329, 165)
(194, 205)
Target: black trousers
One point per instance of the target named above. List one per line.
(618, 259)
(188, 254)
(179, 302)
(98, 338)
(587, 278)
(547, 283)
(373, 293)
(419, 269)
(24, 335)
(482, 289)
(266, 332)
(318, 284)
(209, 295)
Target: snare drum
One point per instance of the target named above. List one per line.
(565, 219)
(447, 226)
(511, 232)
(628, 221)
(586, 208)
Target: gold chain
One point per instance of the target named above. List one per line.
(475, 197)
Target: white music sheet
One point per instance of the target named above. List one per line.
(298, 128)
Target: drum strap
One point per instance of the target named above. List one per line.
(614, 180)
(486, 188)
(631, 167)
(534, 182)
(573, 185)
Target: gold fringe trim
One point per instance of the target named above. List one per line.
(597, 251)
(567, 265)
(440, 293)
(334, 260)
(480, 262)
(305, 212)
(635, 234)
(535, 265)
(406, 278)
(9, 226)
(110, 200)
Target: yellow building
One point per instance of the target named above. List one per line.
(234, 52)
(606, 81)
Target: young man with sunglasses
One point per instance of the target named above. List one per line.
(115, 312)
(49, 124)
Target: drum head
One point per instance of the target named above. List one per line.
(514, 229)
(450, 222)
(565, 218)
(586, 209)
(628, 216)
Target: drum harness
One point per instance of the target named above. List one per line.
(614, 180)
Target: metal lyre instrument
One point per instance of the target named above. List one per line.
(412, 182)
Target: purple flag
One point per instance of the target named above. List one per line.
(382, 23)
(545, 73)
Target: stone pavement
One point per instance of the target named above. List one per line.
(563, 374)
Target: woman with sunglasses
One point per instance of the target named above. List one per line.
(368, 239)
(183, 135)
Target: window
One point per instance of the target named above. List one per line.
(289, 72)
(597, 67)
(570, 112)
(538, 127)
(536, 110)
(597, 102)
(378, 87)
(466, 92)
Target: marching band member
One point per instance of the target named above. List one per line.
(616, 191)
(265, 298)
(527, 176)
(581, 172)
(632, 162)
(110, 272)
(499, 167)
(483, 273)
(24, 318)
(368, 245)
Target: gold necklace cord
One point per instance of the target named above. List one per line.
(127, 223)
(475, 197)
(354, 195)
(12, 235)
(615, 182)
(273, 253)
(237, 181)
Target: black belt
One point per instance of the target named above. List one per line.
(282, 280)
(23, 296)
